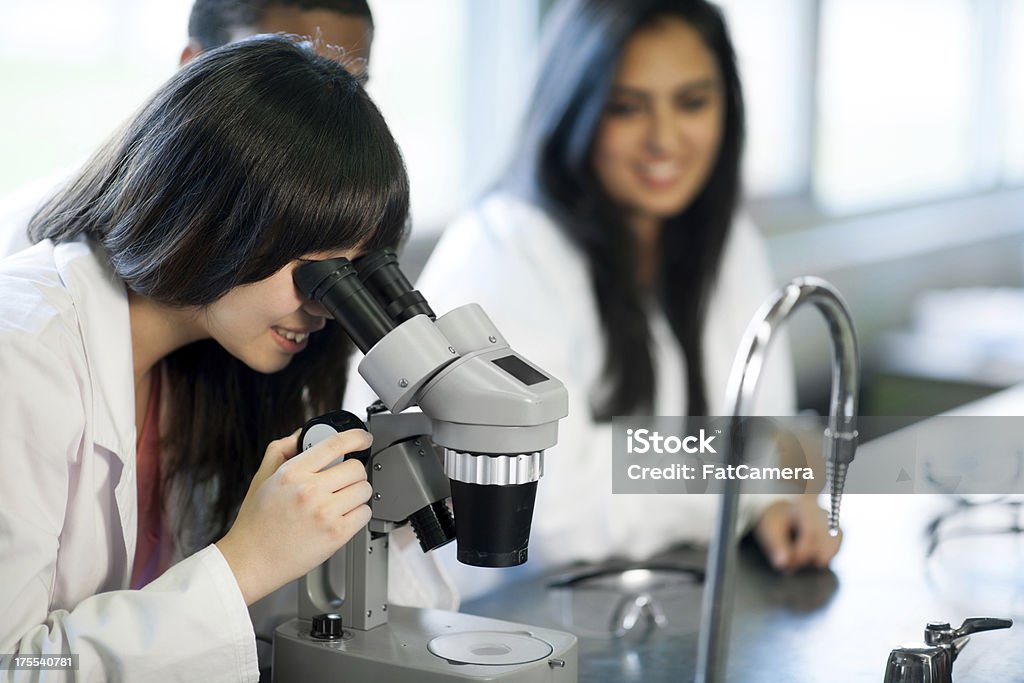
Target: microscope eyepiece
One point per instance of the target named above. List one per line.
(382, 275)
(335, 284)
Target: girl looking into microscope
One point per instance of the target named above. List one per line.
(154, 351)
(613, 255)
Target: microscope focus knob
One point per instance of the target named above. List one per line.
(327, 627)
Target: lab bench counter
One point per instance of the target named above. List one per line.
(837, 625)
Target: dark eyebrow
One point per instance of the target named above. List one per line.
(701, 84)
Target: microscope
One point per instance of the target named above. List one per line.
(485, 416)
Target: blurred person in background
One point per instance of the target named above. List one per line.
(612, 255)
(341, 29)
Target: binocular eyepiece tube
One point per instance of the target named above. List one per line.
(380, 271)
(335, 284)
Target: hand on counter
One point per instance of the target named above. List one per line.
(794, 535)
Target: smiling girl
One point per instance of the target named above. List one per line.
(152, 345)
(612, 253)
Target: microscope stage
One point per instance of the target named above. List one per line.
(424, 646)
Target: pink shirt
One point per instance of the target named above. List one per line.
(154, 545)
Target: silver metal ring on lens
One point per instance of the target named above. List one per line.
(493, 470)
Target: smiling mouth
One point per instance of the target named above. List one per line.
(297, 337)
(661, 172)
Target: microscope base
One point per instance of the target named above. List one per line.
(397, 652)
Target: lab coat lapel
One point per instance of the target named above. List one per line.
(101, 303)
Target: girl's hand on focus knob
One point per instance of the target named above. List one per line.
(296, 513)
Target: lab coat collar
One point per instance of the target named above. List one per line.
(101, 304)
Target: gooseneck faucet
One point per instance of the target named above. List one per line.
(840, 445)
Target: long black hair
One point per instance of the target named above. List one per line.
(583, 42)
(251, 156)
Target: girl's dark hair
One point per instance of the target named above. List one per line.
(251, 156)
(584, 40)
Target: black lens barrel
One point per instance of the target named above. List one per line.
(383, 276)
(492, 523)
(335, 284)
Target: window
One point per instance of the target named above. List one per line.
(860, 105)
(1012, 101)
(451, 78)
(896, 102)
(415, 78)
(772, 39)
(72, 71)
(853, 105)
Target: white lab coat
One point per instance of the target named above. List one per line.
(68, 494)
(511, 258)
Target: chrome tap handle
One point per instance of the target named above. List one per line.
(941, 633)
(979, 624)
